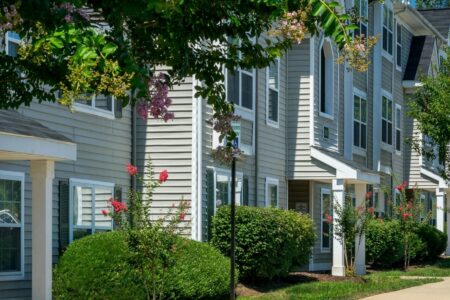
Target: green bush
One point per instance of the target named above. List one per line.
(96, 267)
(384, 243)
(435, 242)
(269, 241)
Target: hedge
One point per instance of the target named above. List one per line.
(96, 267)
(269, 241)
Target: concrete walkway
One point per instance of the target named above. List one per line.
(432, 291)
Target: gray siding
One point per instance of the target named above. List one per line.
(386, 75)
(103, 149)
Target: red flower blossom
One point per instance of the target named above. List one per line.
(105, 212)
(368, 195)
(410, 205)
(163, 176)
(132, 170)
(400, 209)
(328, 218)
(119, 206)
(402, 186)
(371, 210)
(405, 216)
(182, 216)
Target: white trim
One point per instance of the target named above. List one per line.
(325, 191)
(199, 168)
(384, 145)
(271, 181)
(409, 84)
(93, 110)
(17, 176)
(362, 96)
(441, 182)
(384, 53)
(24, 147)
(12, 40)
(396, 24)
(226, 173)
(385, 169)
(398, 106)
(195, 195)
(269, 122)
(329, 88)
(311, 90)
(91, 184)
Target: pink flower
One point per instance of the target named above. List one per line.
(371, 210)
(402, 186)
(182, 216)
(132, 170)
(163, 176)
(118, 206)
(368, 195)
(105, 212)
(405, 216)
(328, 218)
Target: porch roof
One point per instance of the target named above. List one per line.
(345, 168)
(22, 138)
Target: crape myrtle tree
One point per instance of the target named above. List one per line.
(430, 106)
(71, 49)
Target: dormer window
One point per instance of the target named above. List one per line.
(326, 80)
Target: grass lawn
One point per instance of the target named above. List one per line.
(375, 283)
(439, 269)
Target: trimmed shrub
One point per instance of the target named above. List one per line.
(435, 242)
(96, 267)
(269, 241)
(384, 243)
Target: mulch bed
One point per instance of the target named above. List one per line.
(253, 289)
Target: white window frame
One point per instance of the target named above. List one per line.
(270, 122)
(325, 191)
(244, 112)
(17, 176)
(227, 173)
(385, 53)
(362, 96)
(385, 145)
(92, 110)
(8, 40)
(272, 181)
(398, 46)
(398, 127)
(91, 184)
(329, 88)
(364, 16)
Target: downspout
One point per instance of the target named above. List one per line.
(256, 143)
(286, 143)
(133, 138)
(199, 165)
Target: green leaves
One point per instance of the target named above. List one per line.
(109, 49)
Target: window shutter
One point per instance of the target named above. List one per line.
(118, 193)
(118, 108)
(210, 198)
(64, 191)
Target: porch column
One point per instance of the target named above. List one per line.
(448, 226)
(360, 242)
(440, 209)
(338, 268)
(42, 174)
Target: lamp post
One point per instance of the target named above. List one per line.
(233, 227)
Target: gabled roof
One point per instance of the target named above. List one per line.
(419, 59)
(439, 18)
(14, 123)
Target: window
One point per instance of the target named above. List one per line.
(12, 42)
(245, 191)
(87, 200)
(240, 88)
(96, 104)
(386, 121)
(361, 8)
(273, 82)
(388, 25)
(271, 192)
(398, 49)
(326, 79)
(223, 188)
(360, 122)
(398, 128)
(11, 224)
(326, 211)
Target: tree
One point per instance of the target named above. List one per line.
(430, 107)
(78, 47)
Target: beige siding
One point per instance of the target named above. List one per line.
(103, 149)
(168, 145)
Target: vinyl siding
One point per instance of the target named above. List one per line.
(386, 75)
(300, 164)
(168, 145)
(103, 149)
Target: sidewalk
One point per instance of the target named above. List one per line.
(431, 291)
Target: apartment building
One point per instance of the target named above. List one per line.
(312, 133)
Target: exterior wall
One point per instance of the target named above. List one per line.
(103, 149)
(168, 145)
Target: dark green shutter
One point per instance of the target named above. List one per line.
(210, 198)
(245, 191)
(118, 108)
(118, 193)
(63, 215)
